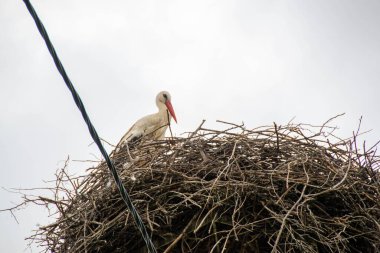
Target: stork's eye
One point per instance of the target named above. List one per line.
(165, 96)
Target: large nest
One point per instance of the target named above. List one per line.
(270, 189)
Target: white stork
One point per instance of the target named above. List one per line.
(153, 126)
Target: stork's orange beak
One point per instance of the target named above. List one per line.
(171, 111)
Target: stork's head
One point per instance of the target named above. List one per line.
(164, 98)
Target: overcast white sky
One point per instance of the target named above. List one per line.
(251, 61)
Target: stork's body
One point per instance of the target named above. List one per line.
(153, 126)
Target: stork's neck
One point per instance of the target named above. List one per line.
(161, 106)
(163, 111)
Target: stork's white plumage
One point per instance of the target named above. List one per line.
(153, 126)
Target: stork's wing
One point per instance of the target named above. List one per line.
(132, 134)
(151, 126)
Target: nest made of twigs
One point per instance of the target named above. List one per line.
(271, 189)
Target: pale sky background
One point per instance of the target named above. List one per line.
(251, 61)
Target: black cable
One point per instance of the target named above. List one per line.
(91, 129)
